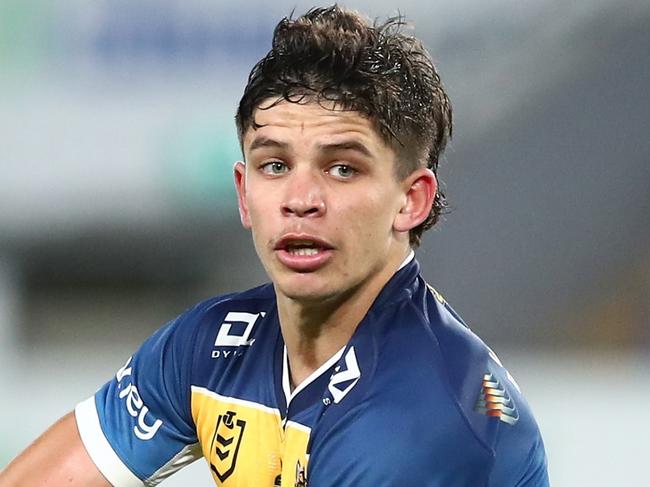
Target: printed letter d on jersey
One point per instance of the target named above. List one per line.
(228, 335)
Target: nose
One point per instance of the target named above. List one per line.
(303, 195)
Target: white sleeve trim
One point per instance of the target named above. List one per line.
(99, 449)
(187, 455)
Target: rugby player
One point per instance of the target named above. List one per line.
(348, 369)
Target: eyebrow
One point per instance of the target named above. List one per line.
(263, 142)
(352, 145)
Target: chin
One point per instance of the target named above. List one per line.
(304, 294)
(304, 290)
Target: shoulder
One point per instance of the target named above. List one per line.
(234, 307)
(473, 370)
(477, 385)
(249, 298)
(227, 318)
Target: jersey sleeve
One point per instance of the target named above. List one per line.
(138, 428)
(520, 458)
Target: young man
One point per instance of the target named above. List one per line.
(347, 370)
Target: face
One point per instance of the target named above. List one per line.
(329, 218)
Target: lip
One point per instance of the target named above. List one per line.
(303, 263)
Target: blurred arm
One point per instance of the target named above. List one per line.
(56, 458)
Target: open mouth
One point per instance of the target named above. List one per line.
(303, 253)
(303, 248)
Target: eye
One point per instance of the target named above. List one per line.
(274, 168)
(342, 171)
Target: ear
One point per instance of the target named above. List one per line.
(419, 191)
(239, 171)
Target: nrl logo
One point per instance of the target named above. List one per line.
(225, 445)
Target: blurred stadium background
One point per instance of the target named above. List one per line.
(117, 209)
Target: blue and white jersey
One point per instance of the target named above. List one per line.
(414, 399)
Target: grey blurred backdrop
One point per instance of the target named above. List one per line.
(117, 209)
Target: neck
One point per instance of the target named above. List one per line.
(314, 331)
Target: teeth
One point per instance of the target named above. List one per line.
(303, 251)
(302, 243)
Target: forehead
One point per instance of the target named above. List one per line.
(312, 119)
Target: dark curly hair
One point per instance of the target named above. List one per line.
(335, 55)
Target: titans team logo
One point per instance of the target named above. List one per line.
(225, 444)
(301, 475)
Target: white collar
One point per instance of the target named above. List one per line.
(408, 259)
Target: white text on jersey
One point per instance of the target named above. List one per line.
(135, 405)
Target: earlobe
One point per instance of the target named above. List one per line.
(239, 172)
(420, 191)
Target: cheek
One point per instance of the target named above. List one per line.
(260, 220)
(369, 224)
(379, 212)
(258, 207)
